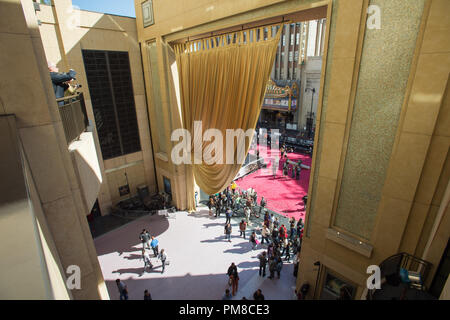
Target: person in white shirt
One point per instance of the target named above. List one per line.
(146, 258)
(247, 214)
(265, 234)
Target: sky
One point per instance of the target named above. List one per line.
(119, 7)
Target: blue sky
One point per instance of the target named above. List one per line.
(119, 7)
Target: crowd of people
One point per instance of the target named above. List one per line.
(233, 201)
(283, 242)
(149, 242)
(290, 168)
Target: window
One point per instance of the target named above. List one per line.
(292, 39)
(110, 86)
(296, 56)
(283, 40)
(291, 56)
(297, 41)
(335, 288)
(147, 13)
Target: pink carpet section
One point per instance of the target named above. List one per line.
(283, 194)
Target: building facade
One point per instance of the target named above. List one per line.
(298, 64)
(379, 183)
(104, 51)
(380, 172)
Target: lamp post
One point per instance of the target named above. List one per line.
(310, 119)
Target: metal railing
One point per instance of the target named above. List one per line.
(392, 266)
(73, 115)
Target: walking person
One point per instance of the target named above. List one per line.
(228, 215)
(233, 278)
(288, 251)
(146, 259)
(123, 290)
(227, 232)
(242, 228)
(292, 231)
(217, 203)
(247, 212)
(147, 295)
(163, 257)
(144, 236)
(271, 222)
(272, 267)
(275, 235)
(283, 233)
(265, 233)
(276, 223)
(262, 263)
(253, 240)
(279, 266)
(262, 204)
(270, 251)
(154, 244)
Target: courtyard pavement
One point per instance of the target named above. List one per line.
(199, 258)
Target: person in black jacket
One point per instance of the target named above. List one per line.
(147, 295)
(258, 296)
(60, 80)
(233, 278)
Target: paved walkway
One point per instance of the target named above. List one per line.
(199, 258)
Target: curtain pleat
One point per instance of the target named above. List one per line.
(223, 86)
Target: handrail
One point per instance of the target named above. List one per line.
(68, 97)
(73, 114)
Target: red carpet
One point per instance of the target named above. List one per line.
(283, 194)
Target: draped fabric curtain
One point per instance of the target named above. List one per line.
(223, 81)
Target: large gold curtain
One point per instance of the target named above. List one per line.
(223, 81)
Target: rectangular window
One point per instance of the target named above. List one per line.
(147, 13)
(335, 288)
(292, 39)
(111, 89)
(291, 56)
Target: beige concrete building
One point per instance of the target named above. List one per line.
(379, 184)
(48, 180)
(58, 176)
(66, 34)
(380, 174)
